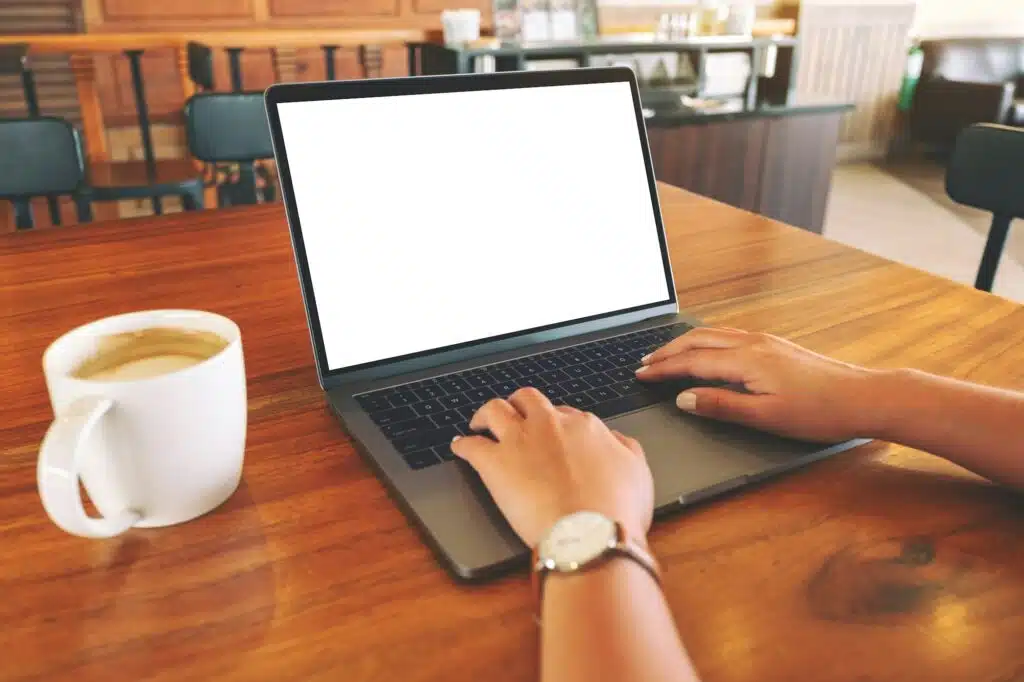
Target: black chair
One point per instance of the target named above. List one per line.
(986, 171)
(42, 157)
(231, 127)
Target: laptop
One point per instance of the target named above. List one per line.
(458, 237)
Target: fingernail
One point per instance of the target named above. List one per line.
(456, 438)
(641, 370)
(686, 401)
(645, 359)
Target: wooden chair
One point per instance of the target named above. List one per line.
(42, 157)
(231, 128)
(986, 171)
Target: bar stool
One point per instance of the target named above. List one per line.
(986, 171)
(42, 157)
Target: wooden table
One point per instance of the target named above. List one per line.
(879, 564)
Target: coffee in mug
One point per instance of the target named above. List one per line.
(150, 417)
(148, 353)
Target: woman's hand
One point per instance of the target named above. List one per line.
(549, 462)
(790, 390)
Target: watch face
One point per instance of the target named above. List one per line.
(577, 540)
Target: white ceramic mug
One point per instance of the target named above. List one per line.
(460, 25)
(150, 452)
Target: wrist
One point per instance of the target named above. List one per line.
(881, 397)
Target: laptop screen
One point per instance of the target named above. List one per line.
(436, 220)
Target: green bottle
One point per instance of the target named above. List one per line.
(915, 61)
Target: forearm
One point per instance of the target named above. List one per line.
(977, 427)
(609, 623)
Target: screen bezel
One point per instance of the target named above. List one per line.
(392, 87)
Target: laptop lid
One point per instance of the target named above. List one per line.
(439, 218)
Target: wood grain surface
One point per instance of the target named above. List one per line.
(879, 564)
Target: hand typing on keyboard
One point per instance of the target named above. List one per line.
(546, 462)
(785, 389)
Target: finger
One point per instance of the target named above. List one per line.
(727, 364)
(720, 403)
(702, 337)
(568, 410)
(631, 443)
(478, 451)
(496, 416)
(530, 402)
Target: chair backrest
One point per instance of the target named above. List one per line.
(226, 127)
(41, 156)
(986, 170)
(200, 65)
(976, 60)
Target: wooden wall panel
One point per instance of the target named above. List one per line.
(140, 10)
(54, 80)
(333, 8)
(857, 53)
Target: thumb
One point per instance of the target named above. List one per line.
(721, 403)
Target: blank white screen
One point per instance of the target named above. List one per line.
(433, 220)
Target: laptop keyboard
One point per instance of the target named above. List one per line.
(421, 418)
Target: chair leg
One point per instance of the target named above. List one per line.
(993, 251)
(247, 184)
(192, 197)
(23, 214)
(54, 206)
(83, 207)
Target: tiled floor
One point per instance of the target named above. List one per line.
(871, 209)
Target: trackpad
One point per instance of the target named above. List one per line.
(687, 453)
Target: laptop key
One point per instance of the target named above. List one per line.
(504, 374)
(453, 384)
(577, 371)
(598, 379)
(429, 392)
(554, 392)
(574, 358)
(449, 418)
(505, 388)
(396, 414)
(373, 402)
(454, 400)
(479, 380)
(603, 394)
(480, 394)
(530, 367)
(580, 401)
(631, 387)
(421, 459)
(574, 386)
(553, 377)
(426, 439)
(428, 407)
(621, 374)
(408, 427)
(549, 363)
(467, 411)
(444, 452)
(403, 398)
(600, 365)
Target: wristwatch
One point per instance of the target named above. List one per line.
(582, 540)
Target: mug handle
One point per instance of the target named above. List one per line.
(57, 472)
